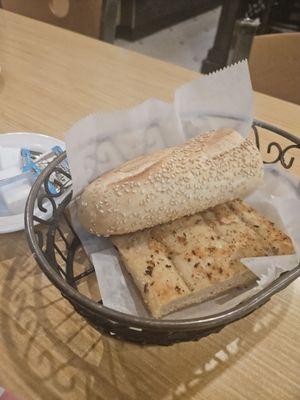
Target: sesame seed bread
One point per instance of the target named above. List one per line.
(195, 258)
(207, 170)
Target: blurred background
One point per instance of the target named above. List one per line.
(202, 35)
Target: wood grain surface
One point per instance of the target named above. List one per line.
(50, 78)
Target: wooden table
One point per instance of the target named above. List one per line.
(50, 78)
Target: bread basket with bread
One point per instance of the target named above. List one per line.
(178, 228)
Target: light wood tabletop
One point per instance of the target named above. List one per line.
(50, 78)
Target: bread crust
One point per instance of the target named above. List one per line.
(153, 189)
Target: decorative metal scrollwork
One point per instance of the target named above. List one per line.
(281, 152)
(58, 250)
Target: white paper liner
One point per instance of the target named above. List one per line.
(221, 99)
(279, 200)
(102, 141)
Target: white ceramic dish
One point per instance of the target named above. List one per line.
(33, 141)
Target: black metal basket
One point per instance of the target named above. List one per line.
(56, 248)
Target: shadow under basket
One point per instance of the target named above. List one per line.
(59, 253)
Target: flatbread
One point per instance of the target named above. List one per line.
(197, 257)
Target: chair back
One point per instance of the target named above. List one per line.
(275, 65)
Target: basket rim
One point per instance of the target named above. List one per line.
(131, 321)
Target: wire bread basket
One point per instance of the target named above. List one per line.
(58, 251)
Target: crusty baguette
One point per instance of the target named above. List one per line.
(195, 258)
(153, 189)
